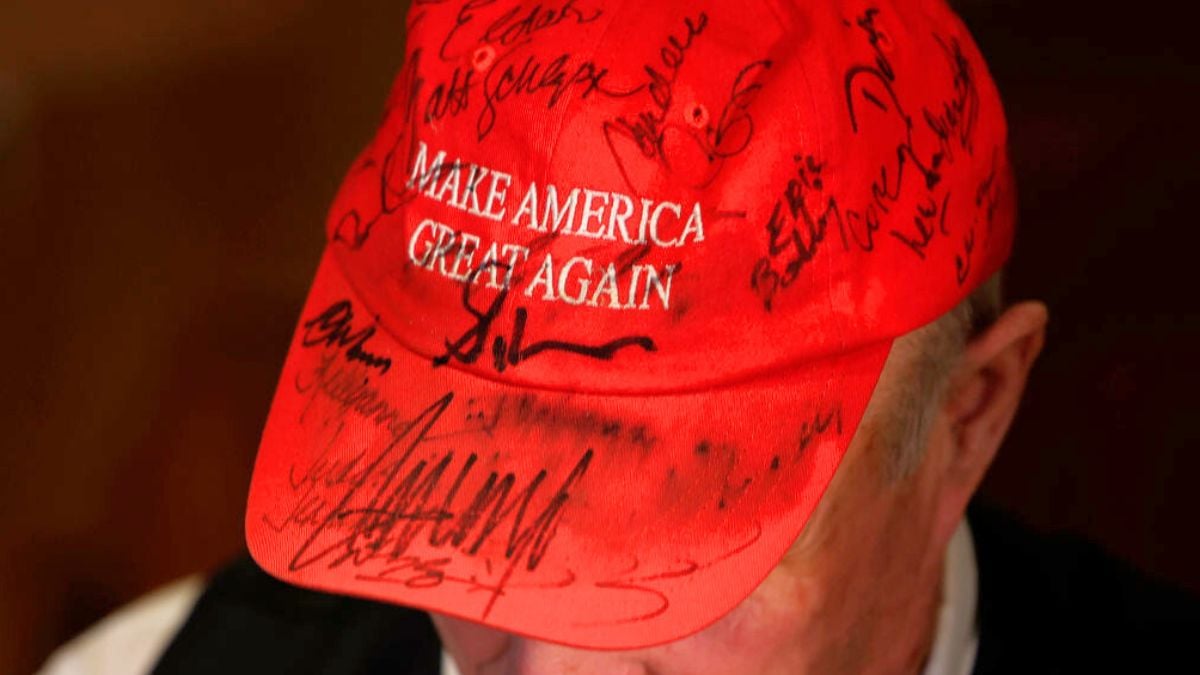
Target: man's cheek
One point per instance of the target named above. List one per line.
(471, 644)
(757, 631)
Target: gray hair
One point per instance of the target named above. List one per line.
(935, 350)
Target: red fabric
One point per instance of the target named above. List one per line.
(603, 422)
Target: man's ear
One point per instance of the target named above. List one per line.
(984, 393)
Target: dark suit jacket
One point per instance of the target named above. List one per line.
(1046, 605)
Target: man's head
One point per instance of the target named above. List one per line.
(858, 590)
(627, 335)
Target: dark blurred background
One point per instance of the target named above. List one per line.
(165, 172)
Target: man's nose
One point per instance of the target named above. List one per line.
(530, 657)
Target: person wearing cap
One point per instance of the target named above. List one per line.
(663, 338)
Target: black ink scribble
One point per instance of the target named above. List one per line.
(506, 79)
(512, 351)
(646, 129)
(333, 328)
(956, 118)
(392, 501)
(416, 572)
(510, 76)
(514, 25)
(587, 425)
(734, 128)
(710, 140)
(412, 571)
(795, 241)
(821, 422)
(518, 23)
(929, 220)
(449, 98)
(870, 81)
(799, 224)
(502, 68)
(639, 580)
(347, 385)
(987, 200)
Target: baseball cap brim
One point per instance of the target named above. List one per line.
(594, 520)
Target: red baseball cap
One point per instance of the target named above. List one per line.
(605, 298)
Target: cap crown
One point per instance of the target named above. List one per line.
(640, 197)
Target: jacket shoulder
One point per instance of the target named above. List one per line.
(249, 622)
(1059, 604)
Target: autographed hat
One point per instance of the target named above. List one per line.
(606, 296)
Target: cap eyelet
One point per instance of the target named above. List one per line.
(696, 115)
(483, 57)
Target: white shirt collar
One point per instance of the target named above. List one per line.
(957, 636)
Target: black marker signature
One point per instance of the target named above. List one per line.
(952, 118)
(962, 260)
(872, 84)
(413, 572)
(646, 128)
(512, 351)
(923, 226)
(332, 328)
(881, 74)
(510, 76)
(734, 128)
(466, 14)
(712, 140)
(800, 232)
(554, 417)
(449, 98)
(349, 388)
(408, 500)
(636, 580)
(956, 117)
(516, 23)
(511, 26)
